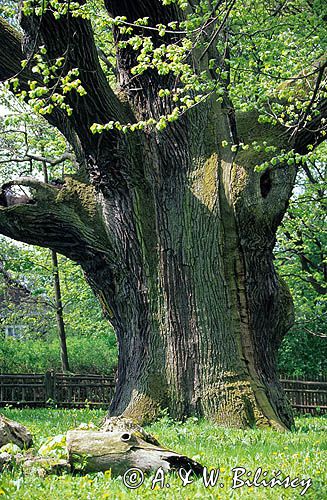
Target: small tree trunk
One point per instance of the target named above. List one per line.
(59, 314)
(58, 299)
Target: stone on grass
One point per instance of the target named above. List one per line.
(13, 432)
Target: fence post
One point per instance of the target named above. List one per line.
(49, 385)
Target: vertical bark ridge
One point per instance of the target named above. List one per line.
(265, 299)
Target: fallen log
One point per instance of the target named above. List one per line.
(123, 424)
(120, 445)
(92, 451)
(13, 432)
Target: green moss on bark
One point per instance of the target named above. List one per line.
(80, 195)
(142, 409)
(204, 181)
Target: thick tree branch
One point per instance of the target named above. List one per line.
(72, 38)
(11, 53)
(217, 31)
(142, 90)
(65, 220)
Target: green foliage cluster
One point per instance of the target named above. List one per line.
(270, 54)
(298, 454)
(25, 135)
(302, 260)
(38, 94)
(8, 10)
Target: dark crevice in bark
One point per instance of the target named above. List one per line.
(265, 183)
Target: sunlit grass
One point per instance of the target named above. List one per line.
(302, 454)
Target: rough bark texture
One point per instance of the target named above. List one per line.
(175, 235)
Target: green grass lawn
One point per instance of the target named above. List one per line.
(299, 454)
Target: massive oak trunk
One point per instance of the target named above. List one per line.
(175, 234)
(197, 306)
(183, 266)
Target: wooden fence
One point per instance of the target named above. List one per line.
(56, 388)
(307, 396)
(96, 391)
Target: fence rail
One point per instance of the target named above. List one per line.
(305, 396)
(56, 388)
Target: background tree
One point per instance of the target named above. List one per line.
(21, 153)
(301, 260)
(91, 341)
(170, 218)
(57, 293)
